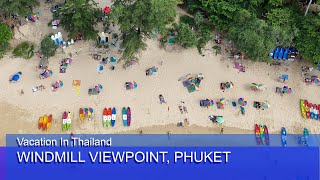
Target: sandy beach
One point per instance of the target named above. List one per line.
(20, 113)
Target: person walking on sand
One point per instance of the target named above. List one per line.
(221, 132)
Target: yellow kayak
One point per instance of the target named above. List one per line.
(303, 109)
(45, 122)
(49, 121)
(81, 114)
(40, 123)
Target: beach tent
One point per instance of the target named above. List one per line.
(276, 53)
(242, 102)
(315, 79)
(100, 68)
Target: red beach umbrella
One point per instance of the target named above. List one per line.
(106, 9)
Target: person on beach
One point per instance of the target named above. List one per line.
(21, 92)
(162, 99)
(221, 132)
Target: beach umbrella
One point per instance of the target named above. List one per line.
(106, 9)
(223, 101)
(220, 119)
(99, 68)
(285, 76)
(60, 83)
(135, 85)
(287, 89)
(57, 84)
(85, 110)
(265, 104)
(50, 72)
(16, 76)
(242, 102)
(262, 87)
(229, 84)
(254, 87)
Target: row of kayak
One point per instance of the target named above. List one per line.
(109, 116)
(45, 122)
(262, 134)
(309, 110)
(66, 121)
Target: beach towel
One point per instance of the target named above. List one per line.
(77, 84)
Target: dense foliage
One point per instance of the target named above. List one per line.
(258, 26)
(48, 47)
(5, 36)
(24, 50)
(10, 8)
(137, 20)
(79, 16)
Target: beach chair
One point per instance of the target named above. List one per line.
(222, 86)
(257, 104)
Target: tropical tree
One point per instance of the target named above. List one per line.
(10, 8)
(186, 37)
(137, 20)
(5, 36)
(48, 47)
(79, 16)
(309, 39)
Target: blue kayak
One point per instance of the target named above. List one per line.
(284, 136)
(113, 117)
(124, 116)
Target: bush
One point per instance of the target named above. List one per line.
(187, 20)
(24, 50)
(3, 49)
(48, 47)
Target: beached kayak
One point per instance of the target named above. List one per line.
(124, 116)
(129, 116)
(40, 123)
(303, 109)
(266, 134)
(64, 120)
(257, 131)
(104, 117)
(45, 122)
(49, 121)
(284, 136)
(109, 116)
(262, 135)
(311, 111)
(306, 105)
(81, 114)
(69, 121)
(306, 135)
(113, 116)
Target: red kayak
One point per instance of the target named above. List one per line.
(109, 116)
(258, 136)
(129, 116)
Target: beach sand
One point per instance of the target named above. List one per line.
(20, 113)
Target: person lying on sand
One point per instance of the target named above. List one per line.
(181, 110)
(161, 98)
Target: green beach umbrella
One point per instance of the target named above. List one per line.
(220, 119)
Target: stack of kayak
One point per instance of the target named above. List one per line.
(262, 134)
(66, 121)
(309, 110)
(45, 122)
(85, 113)
(109, 117)
(126, 116)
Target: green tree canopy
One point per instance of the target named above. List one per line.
(79, 16)
(137, 20)
(48, 47)
(6, 33)
(20, 7)
(186, 38)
